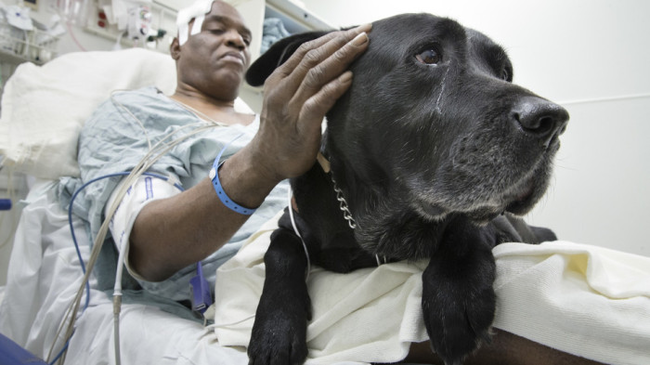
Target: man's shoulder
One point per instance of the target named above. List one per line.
(126, 109)
(140, 103)
(149, 93)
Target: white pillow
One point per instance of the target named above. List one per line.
(44, 107)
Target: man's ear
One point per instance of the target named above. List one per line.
(175, 49)
(276, 55)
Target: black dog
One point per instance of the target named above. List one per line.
(433, 151)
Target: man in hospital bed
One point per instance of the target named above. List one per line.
(163, 232)
(169, 231)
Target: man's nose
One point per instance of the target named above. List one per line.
(234, 39)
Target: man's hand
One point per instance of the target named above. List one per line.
(298, 95)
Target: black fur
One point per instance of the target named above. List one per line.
(434, 160)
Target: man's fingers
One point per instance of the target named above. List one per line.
(330, 68)
(286, 80)
(344, 36)
(317, 106)
(335, 64)
(311, 54)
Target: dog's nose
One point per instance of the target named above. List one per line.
(540, 118)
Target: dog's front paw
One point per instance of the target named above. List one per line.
(458, 302)
(278, 338)
(280, 327)
(279, 332)
(457, 321)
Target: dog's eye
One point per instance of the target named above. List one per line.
(505, 75)
(429, 57)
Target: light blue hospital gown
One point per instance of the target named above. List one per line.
(113, 141)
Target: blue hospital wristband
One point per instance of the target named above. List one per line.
(225, 199)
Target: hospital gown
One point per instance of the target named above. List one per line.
(114, 139)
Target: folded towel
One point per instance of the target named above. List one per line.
(585, 300)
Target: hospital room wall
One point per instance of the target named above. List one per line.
(592, 57)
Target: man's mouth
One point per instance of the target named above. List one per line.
(233, 57)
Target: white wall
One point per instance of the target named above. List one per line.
(593, 57)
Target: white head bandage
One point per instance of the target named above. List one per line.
(197, 12)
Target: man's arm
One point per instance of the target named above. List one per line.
(505, 349)
(172, 233)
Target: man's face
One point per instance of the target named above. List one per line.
(215, 59)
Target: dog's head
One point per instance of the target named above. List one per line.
(432, 112)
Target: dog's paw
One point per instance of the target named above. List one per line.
(278, 338)
(459, 303)
(280, 327)
(279, 332)
(457, 323)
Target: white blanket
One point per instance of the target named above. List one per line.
(584, 300)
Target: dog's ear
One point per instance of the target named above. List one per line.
(276, 55)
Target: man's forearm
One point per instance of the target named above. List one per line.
(170, 234)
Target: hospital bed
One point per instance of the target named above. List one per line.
(585, 300)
